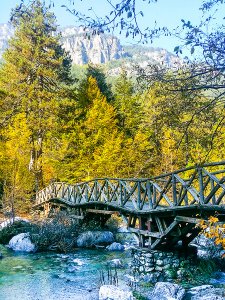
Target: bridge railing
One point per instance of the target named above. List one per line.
(199, 185)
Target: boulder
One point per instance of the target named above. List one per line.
(218, 278)
(114, 293)
(206, 247)
(167, 291)
(116, 262)
(90, 239)
(22, 242)
(115, 247)
(205, 292)
(123, 229)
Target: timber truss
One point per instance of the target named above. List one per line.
(162, 210)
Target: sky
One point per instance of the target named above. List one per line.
(165, 12)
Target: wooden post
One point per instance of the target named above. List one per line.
(139, 195)
(149, 227)
(96, 190)
(212, 187)
(121, 195)
(174, 187)
(201, 190)
(149, 193)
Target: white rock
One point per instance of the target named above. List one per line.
(115, 247)
(167, 291)
(130, 278)
(123, 229)
(116, 262)
(78, 261)
(111, 292)
(93, 238)
(11, 221)
(205, 292)
(22, 242)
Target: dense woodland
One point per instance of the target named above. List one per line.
(56, 126)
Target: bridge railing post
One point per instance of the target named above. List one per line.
(149, 193)
(201, 186)
(96, 190)
(121, 194)
(139, 195)
(174, 187)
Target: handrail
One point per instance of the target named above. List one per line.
(149, 178)
(202, 188)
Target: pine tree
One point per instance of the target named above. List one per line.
(95, 146)
(34, 68)
(126, 103)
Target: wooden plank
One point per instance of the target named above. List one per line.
(159, 224)
(187, 219)
(104, 212)
(145, 232)
(170, 227)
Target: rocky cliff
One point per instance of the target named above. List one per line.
(85, 48)
(99, 49)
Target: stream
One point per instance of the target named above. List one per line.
(51, 276)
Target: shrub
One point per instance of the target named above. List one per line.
(58, 234)
(13, 229)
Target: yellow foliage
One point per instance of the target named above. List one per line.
(213, 230)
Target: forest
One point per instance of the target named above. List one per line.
(55, 126)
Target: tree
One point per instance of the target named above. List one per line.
(96, 72)
(93, 146)
(126, 103)
(14, 159)
(32, 76)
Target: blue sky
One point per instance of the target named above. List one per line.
(165, 12)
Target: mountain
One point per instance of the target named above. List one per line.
(100, 49)
(84, 47)
(6, 32)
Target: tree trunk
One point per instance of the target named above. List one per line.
(36, 165)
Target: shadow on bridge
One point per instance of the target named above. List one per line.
(162, 210)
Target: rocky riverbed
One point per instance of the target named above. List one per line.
(92, 274)
(33, 276)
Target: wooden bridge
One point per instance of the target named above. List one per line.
(162, 210)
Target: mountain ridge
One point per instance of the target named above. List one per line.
(86, 48)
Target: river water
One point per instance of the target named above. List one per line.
(51, 276)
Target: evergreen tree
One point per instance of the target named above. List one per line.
(127, 104)
(105, 88)
(34, 68)
(94, 147)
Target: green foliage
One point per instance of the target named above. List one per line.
(199, 274)
(139, 296)
(11, 230)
